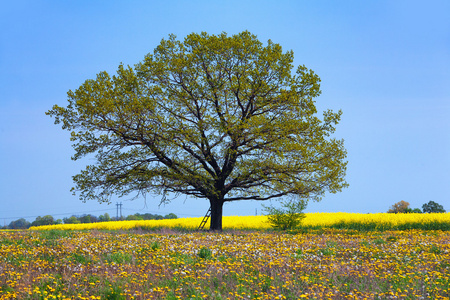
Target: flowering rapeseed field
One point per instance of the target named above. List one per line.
(381, 221)
(320, 264)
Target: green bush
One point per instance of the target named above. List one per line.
(289, 216)
(205, 253)
(155, 246)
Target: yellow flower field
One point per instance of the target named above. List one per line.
(330, 264)
(314, 220)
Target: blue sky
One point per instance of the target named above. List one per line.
(386, 64)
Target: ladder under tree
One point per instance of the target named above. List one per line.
(205, 219)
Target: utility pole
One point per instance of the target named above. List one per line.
(117, 213)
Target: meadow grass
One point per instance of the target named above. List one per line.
(331, 256)
(322, 263)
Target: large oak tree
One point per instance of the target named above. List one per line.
(215, 117)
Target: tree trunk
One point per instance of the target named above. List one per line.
(216, 214)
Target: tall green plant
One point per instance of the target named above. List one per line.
(289, 216)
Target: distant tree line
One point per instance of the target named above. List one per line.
(49, 220)
(403, 207)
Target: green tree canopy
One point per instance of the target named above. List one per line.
(171, 216)
(433, 207)
(45, 220)
(104, 218)
(19, 224)
(217, 117)
(71, 220)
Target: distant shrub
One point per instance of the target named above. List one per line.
(413, 211)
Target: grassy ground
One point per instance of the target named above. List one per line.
(315, 264)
